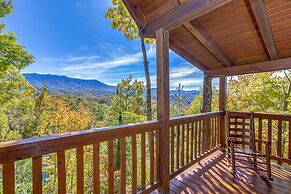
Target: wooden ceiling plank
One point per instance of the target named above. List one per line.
(181, 14)
(186, 55)
(262, 19)
(274, 65)
(197, 30)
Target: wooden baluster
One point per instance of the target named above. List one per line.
(218, 130)
(270, 133)
(178, 147)
(110, 167)
(152, 157)
(260, 134)
(172, 148)
(8, 178)
(143, 161)
(289, 144)
(96, 168)
(183, 146)
(187, 142)
(243, 133)
(199, 137)
(212, 132)
(37, 174)
(192, 142)
(157, 154)
(279, 144)
(195, 139)
(134, 164)
(123, 165)
(203, 140)
(80, 170)
(61, 172)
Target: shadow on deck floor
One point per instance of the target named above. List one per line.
(213, 175)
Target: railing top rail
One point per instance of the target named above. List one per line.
(33, 147)
(190, 118)
(273, 116)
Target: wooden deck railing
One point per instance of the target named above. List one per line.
(141, 138)
(275, 128)
(191, 139)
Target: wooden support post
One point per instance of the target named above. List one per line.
(163, 104)
(222, 107)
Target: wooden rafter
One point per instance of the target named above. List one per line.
(181, 14)
(262, 19)
(136, 14)
(186, 55)
(197, 30)
(274, 65)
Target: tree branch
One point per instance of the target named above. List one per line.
(258, 103)
(268, 100)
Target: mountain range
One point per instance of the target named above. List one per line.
(87, 88)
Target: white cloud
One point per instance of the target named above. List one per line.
(118, 61)
(183, 71)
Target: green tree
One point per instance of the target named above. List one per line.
(126, 107)
(123, 22)
(127, 102)
(12, 54)
(178, 104)
(15, 92)
(196, 105)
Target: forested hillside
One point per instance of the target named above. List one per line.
(29, 108)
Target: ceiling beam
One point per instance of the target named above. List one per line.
(181, 14)
(186, 55)
(262, 19)
(197, 30)
(274, 65)
(136, 14)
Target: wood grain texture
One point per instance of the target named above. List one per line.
(33, 147)
(163, 105)
(111, 168)
(202, 35)
(8, 178)
(181, 14)
(152, 157)
(37, 175)
(143, 161)
(80, 170)
(61, 172)
(96, 168)
(123, 165)
(281, 64)
(134, 164)
(262, 19)
(222, 107)
(225, 32)
(212, 175)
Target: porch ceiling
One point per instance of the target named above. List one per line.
(221, 37)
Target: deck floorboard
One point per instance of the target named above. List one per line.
(213, 175)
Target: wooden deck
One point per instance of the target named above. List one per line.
(212, 175)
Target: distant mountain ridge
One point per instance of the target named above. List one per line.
(66, 85)
(88, 88)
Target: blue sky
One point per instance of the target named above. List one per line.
(72, 38)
